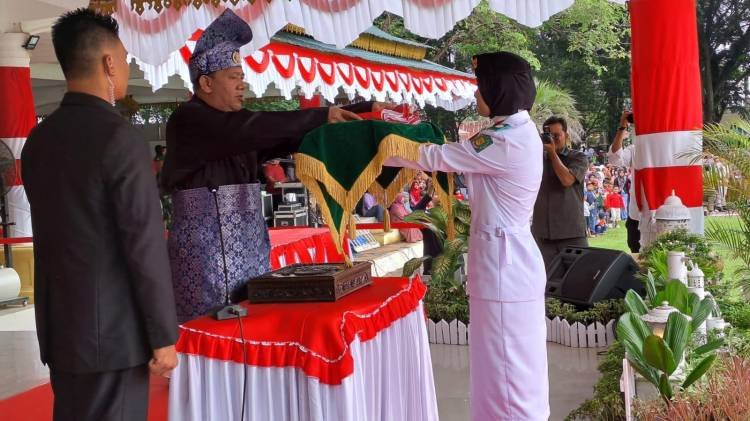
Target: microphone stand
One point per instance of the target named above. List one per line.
(229, 311)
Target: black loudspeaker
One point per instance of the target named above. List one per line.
(586, 275)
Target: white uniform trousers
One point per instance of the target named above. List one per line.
(508, 363)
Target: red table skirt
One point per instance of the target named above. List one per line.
(295, 244)
(314, 337)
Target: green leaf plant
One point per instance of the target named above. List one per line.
(444, 265)
(658, 358)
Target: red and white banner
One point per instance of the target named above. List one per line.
(288, 67)
(152, 35)
(667, 106)
(17, 118)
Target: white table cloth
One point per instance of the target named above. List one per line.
(392, 380)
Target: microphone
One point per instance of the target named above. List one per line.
(229, 311)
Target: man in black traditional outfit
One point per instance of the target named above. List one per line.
(216, 151)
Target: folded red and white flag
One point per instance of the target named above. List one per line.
(401, 114)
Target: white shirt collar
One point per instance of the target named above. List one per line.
(514, 120)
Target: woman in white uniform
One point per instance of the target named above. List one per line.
(503, 169)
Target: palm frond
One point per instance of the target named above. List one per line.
(551, 101)
(734, 240)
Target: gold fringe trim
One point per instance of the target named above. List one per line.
(311, 171)
(352, 227)
(103, 7)
(392, 48)
(294, 29)
(386, 220)
(140, 6)
(338, 236)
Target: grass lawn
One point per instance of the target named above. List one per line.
(616, 239)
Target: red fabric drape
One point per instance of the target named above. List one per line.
(17, 113)
(666, 91)
(666, 82)
(314, 337)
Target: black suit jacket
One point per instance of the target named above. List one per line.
(103, 288)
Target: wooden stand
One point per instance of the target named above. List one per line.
(300, 283)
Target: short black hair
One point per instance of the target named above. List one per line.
(158, 149)
(557, 120)
(78, 36)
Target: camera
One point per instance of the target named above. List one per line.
(546, 135)
(630, 117)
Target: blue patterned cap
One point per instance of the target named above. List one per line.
(219, 46)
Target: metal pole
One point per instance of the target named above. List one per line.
(7, 248)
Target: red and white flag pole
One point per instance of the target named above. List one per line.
(667, 106)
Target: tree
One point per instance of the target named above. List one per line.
(724, 48)
(598, 31)
(482, 31)
(585, 51)
(449, 121)
(554, 101)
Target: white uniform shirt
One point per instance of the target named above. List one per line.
(624, 158)
(503, 169)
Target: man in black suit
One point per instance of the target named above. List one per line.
(104, 302)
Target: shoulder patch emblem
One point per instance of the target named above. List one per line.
(500, 127)
(481, 142)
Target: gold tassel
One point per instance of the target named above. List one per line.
(352, 227)
(312, 171)
(386, 221)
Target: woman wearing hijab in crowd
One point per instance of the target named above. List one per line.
(503, 169)
(398, 212)
(415, 193)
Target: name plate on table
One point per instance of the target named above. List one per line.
(309, 282)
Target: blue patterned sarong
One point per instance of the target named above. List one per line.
(195, 246)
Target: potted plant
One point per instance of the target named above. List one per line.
(656, 352)
(446, 297)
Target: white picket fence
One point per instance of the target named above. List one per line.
(453, 333)
(577, 335)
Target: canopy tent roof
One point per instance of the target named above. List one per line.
(153, 29)
(160, 35)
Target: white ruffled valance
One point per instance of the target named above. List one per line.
(152, 36)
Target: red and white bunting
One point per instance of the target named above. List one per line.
(288, 67)
(153, 36)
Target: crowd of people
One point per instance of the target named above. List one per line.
(417, 195)
(605, 202)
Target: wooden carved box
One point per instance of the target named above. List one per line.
(302, 282)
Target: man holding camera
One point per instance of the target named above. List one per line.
(623, 157)
(558, 219)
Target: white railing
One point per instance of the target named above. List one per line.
(577, 335)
